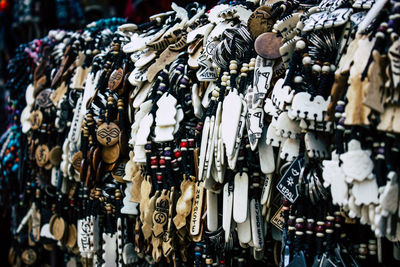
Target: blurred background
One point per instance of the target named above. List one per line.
(24, 20)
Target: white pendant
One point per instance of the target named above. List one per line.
(140, 154)
(272, 139)
(354, 210)
(270, 109)
(305, 107)
(263, 73)
(212, 211)
(286, 127)
(256, 224)
(163, 134)
(330, 168)
(244, 229)
(165, 114)
(232, 159)
(129, 207)
(142, 93)
(389, 197)
(240, 197)
(178, 118)
(357, 164)
(45, 232)
(327, 19)
(339, 187)
(266, 154)
(196, 101)
(109, 250)
(144, 130)
(231, 111)
(210, 147)
(281, 95)
(266, 190)
(203, 147)
(255, 124)
(290, 149)
(360, 189)
(315, 146)
(142, 112)
(227, 206)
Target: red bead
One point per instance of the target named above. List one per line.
(154, 161)
(319, 228)
(191, 142)
(299, 226)
(177, 154)
(286, 202)
(12, 148)
(329, 224)
(159, 178)
(17, 160)
(184, 144)
(162, 161)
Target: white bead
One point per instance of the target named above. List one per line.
(298, 79)
(300, 44)
(333, 68)
(316, 68)
(326, 68)
(307, 60)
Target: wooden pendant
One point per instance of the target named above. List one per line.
(160, 215)
(72, 236)
(42, 155)
(108, 134)
(260, 21)
(137, 181)
(58, 227)
(270, 51)
(96, 158)
(145, 190)
(55, 155)
(240, 197)
(184, 204)
(197, 207)
(76, 160)
(116, 78)
(118, 171)
(110, 154)
(43, 98)
(36, 119)
(148, 216)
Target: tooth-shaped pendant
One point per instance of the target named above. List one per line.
(227, 206)
(240, 197)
